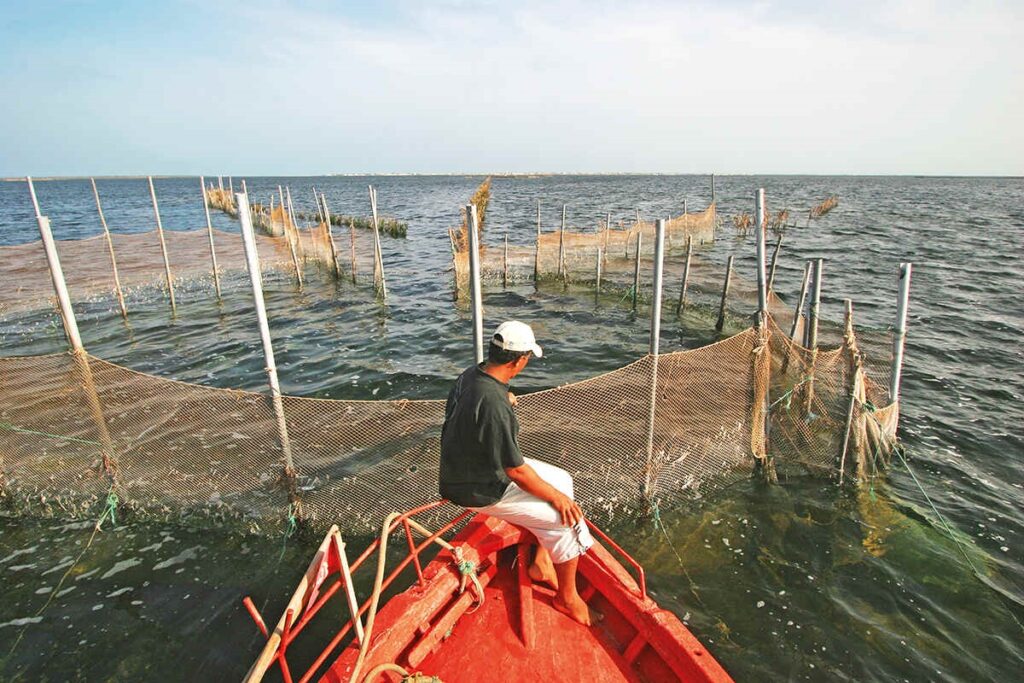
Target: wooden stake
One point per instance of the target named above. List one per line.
(798, 312)
(725, 295)
(455, 263)
(686, 274)
(209, 231)
(712, 188)
(163, 245)
(636, 270)
(561, 248)
(536, 251)
(476, 299)
(352, 245)
(319, 209)
(900, 333)
(854, 382)
(504, 264)
(60, 287)
(291, 233)
(607, 234)
(378, 264)
(78, 354)
(762, 282)
(110, 249)
(656, 285)
(252, 259)
(811, 333)
(330, 235)
(655, 346)
(775, 262)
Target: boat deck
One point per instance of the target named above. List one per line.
(484, 644)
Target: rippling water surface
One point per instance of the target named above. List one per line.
(795, 581)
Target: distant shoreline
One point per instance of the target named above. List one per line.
(539, 174)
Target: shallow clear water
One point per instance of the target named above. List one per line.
(796, 581)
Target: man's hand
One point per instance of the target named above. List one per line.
(568, 509)
(512, 399)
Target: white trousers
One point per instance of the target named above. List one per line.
(540, 518)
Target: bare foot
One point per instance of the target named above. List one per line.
(577, 609)
(540, 576)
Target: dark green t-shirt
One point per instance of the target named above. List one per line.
(478, 440)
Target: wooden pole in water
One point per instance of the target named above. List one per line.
(252, 259)
(900, 333)
(805, 282)
(720, 325)
(163, 245)
(60, 287)
(280, 195)
(684, 208)
(855, 367)
(775, 262)
(378, 262)
(319, 209)
(656, 285)
(231, 186)
(352, 245)
(291, 234)
(811, 336)
(607, 234)
(798, 313)
(504, 264)
(209, 231)
(455, 262)
(476, 298)
(536, 251)
(561, 248)
(330, 235)
(655, 346)
(762, 282)
(686, 274)
(636, 270)
(598, 278)
(110, 249)
(812, 331)
(74, 337)
(712, 188)
(220, 182)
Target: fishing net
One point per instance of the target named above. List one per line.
(571, 255)
(659, 430)
(89, 272)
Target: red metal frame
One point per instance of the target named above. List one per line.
(291, 629)
(624, 555)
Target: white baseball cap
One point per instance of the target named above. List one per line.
(513, 335)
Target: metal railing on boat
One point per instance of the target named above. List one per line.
(319, 569)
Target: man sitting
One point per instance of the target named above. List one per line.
(483, 469)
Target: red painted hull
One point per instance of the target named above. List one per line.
(517, 634)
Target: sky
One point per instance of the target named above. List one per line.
(265, 87)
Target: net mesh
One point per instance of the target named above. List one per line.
(661, 429)
(89, 272)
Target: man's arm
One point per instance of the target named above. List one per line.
(528, 480)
